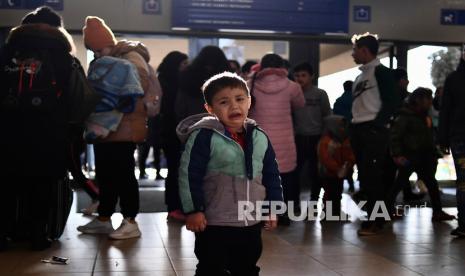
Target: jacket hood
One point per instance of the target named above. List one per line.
(126, 46)
(333, 125)
(41, 36)
(203, 120)
(272, 80)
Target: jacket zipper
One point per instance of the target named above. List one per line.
(246, 223)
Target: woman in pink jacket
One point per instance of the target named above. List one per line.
(273, 98)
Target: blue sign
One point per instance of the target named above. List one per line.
(452, 17)
(362, 14)
(151, 7)
(31, 4)
(290, 16)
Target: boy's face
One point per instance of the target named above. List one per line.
(303, 78)
(425, 104)
(231, 107)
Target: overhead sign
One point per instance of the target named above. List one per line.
(452, 17)
(151, 6)
(294, 16)
(31, 4)
(362, 14)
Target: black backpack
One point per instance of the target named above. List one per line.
(29, 82)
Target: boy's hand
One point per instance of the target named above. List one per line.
(196, 222)
(271, 223)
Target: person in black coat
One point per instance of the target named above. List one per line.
(209, 62)
(34, 153)
(452, 133)
(168, 75)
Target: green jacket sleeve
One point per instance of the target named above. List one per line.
(397, 132)
(390, 99)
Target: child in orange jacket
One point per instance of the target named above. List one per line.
(335, 159)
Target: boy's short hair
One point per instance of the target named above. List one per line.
(370, 41)
(348, 85)
(221, 81)
(418, 94)
(304, 66)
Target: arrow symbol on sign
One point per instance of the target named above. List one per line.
(449, 18)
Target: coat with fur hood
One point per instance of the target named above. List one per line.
(275, 97)
(46, 150)
(133, 126)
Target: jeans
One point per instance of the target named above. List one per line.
(458, 152)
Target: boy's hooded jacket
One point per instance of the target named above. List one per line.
(216, 173)
(411, 134)
(334, 147)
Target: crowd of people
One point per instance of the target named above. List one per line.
(258, 132)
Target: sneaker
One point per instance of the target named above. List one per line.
(91, 209)
(458, 232)
(96, 226)
(442, 216)
(126, 230)
(176, 215)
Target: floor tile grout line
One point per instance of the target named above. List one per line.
(96, 256)
(164, 247)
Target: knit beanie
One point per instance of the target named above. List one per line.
(45, 15)
(97, 35)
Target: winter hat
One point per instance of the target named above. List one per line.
(97, 35)
(45, 15)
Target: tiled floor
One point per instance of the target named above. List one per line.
(412, 246)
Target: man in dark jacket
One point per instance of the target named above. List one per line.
(452, 133)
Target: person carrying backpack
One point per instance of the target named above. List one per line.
(36, 64)
(119, 123)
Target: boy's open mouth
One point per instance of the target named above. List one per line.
(235, 116)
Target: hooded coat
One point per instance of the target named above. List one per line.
(452, 114)
(275, 97)
(133, 126)
(38, 145)
(334, 147)
(216, 173)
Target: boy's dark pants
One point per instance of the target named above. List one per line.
(306, 146)
(333, 188)
(225, 250)
(424, 164)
